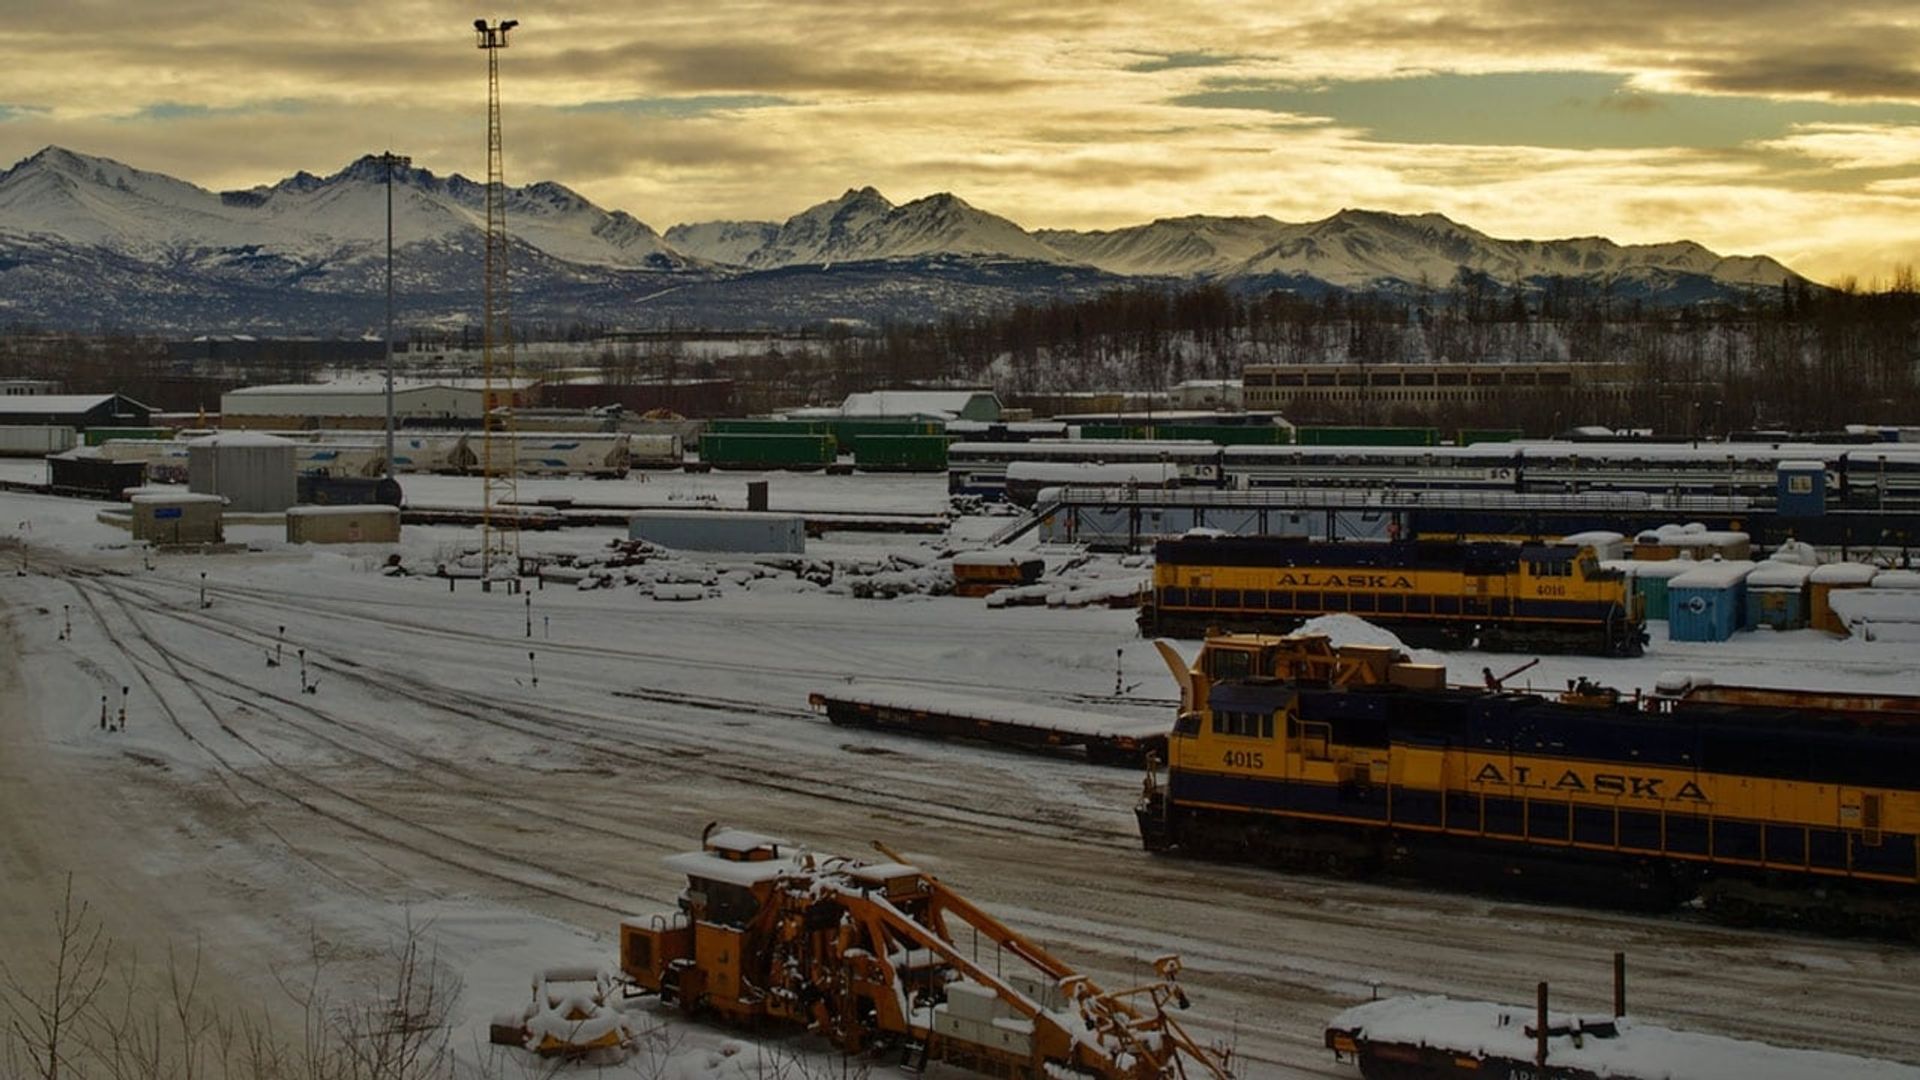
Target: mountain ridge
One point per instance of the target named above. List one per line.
(67, 218)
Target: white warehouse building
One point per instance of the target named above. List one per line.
(363, 403)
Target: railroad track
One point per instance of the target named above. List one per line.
(605, 734)
(290, 776)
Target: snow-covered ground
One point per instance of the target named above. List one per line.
(429, 778)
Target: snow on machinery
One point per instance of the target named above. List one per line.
(865, 955)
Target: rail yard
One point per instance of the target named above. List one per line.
(512, 768)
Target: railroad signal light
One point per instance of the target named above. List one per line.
(532, 673)
(123, 709)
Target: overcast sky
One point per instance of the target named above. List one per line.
(1780, 127)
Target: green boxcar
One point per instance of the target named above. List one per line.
(1368, 436)
(769, 427)
(848, 431)
(732, 450)
(1469, 436)
(100, 435)
(900, 453)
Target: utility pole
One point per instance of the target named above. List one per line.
(390, 160)
(499, 517)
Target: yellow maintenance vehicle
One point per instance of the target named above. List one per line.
(865, 955)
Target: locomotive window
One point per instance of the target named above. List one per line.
(1230, 664)
(1315, 740)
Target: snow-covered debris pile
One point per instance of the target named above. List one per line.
(1605, 1046)
(1082, 581)
(1354, 630)
(569, 1015)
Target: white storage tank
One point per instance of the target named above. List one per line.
(720, 531)
(254, 472)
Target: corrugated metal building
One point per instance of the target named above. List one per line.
(1707, 602)
(343, 524)
(1777, 595)
(1825, 581)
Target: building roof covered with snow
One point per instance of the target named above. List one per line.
(921, 405)
(74, 410)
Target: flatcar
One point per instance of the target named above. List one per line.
(1447, 594)
(1760, 804)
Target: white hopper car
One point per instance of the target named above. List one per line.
(558, 453)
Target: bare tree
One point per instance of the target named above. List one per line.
(45, 1010)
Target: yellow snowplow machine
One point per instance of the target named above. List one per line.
(864, 954)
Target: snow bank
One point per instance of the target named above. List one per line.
(1486, 1030)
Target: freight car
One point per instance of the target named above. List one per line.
(547, 453)
(1445, 594)
(1763, 804)
(83, 473)
(752, 450)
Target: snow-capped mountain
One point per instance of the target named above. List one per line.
(89, 243)
(1170, 247)
(1357, 249)
(1363, 249)
(862, 226)
(60, 195)
(729, 242)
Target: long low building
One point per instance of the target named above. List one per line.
(363, 403)
(80, 411)
(1280, 387)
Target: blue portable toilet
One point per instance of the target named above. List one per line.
(1801, 488)
(1777, 595)
(1706, 602)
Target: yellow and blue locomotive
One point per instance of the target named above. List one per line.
(1540, 597)
(1773, 803)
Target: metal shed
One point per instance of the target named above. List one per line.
(254, 472)
(369, 524)
(721, 531)
(1706, 603)
(1824, 581)
(1777, 595)
(1648, 579)
(178, 519)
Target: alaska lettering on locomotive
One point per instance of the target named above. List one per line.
(1597, 783)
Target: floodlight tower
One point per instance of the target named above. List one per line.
(499, 516)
